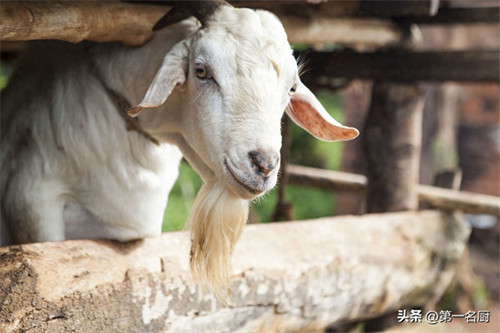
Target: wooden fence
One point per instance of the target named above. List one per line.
(287, 277)
(439, 198)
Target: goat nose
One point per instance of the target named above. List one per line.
(263, 162)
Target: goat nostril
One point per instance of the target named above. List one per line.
(262, 163)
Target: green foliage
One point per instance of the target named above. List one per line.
(4, 75)
(477, 296)
(480, 297)
(181, 198)
(307, 203)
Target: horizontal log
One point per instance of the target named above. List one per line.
(77, 21)
(345, 31)
(299, 276)
(403, 65)
(327, 179)
(468, 202)
(310, 22)
(473, 203)
(450, 15)
(132, 24)
(366, 8)
(418, 12)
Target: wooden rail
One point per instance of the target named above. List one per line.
(132, 24)
(440, 198)
(402, 65)
(365, 23)
(287, 277)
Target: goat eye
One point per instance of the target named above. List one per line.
(293, 88)
(202, 73)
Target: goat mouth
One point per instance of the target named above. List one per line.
(251, 190)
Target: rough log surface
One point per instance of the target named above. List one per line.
(132, 23)
(345, 22)
(467, 202)
(391, 142)
(287, 277)
(77, 21)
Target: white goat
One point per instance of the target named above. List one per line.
(75, 165)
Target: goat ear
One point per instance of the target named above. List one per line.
(307, 112)
(172, 73)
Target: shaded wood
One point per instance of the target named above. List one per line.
(447, 15)
(283, 210)
(380, 8)
(405, 12)
(450, 179)
(391, 144)
(403, 65)
(468, 202)
(287, 277)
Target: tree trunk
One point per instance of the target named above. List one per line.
(392, 141)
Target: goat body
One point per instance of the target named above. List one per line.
(71, 169)
(69, 166)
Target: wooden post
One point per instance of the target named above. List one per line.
(284, 210)
(392, 141)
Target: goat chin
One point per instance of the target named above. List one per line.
(216, 221)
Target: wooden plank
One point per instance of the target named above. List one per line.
(474, 66)
(287, 277)
(468, 202)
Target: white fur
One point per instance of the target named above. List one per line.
(70, 168)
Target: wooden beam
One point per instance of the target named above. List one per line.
(472, 203)
(75, 21)
(328, 180)
(468, 202)
(392, 138)
(345, 31)
(287, 277)
(450, 15)
(474, 66)
(343, 22)
(132, 23)
(358, 8)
